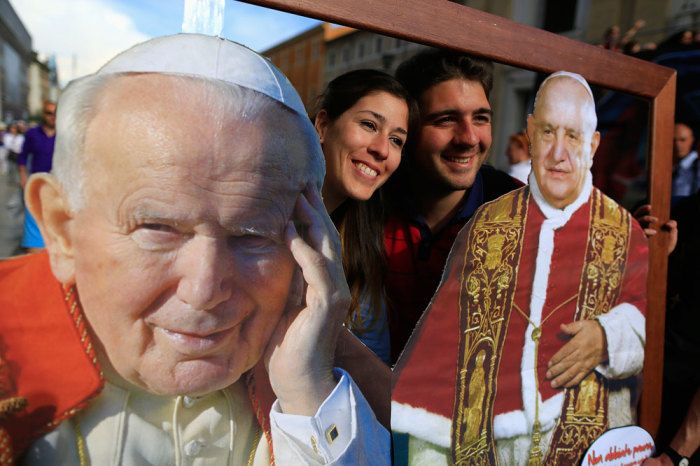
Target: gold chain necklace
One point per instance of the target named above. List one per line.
(535, 457)
(80, 442)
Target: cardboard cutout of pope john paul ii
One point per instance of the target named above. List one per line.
(177, 316)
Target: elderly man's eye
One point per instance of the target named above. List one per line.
(253, 243)
(157, 227)
(156, 236)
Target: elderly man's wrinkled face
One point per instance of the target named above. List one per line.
(682, 141)
(180, 260)
(563, 140)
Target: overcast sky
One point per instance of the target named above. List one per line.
(84, 34)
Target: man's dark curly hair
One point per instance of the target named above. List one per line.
(434, 66)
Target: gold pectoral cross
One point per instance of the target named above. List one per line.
(535, 458)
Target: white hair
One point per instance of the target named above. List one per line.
(80, 103)
(77, 108)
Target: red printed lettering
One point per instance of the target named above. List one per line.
(593, 459)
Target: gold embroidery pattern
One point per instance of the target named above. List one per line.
(606, 258)
(491, 258)
(70, 295)
(9, 407)
(6, 452)
(584, 417)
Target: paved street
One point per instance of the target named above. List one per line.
(11, 214)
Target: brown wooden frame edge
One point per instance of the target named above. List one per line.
(440, 23)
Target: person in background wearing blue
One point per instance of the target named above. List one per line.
(686, 168)
(362, 121)
(38, 145)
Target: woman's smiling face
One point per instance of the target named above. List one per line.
(362, 147)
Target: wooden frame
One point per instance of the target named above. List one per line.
(440, 23)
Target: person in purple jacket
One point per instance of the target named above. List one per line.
(38, 144)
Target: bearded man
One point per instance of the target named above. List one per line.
(531, 345)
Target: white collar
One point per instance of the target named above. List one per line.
(687, 161)
(560, 216)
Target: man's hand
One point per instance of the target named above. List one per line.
(580, 355)
(300, 355)
(646, 220)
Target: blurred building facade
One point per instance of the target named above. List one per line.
(303, 57)
(362, 49)
(43, 84)
(15, 59)
(26, 79)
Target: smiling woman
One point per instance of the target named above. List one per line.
(363, 121)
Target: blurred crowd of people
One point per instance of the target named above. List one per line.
(23, 151)
(630, 44)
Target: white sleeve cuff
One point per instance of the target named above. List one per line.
(324, 437)
(625, 332)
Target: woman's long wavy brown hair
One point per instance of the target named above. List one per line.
(361, 223)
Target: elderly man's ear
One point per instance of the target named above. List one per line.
(595, 141)
(47, 202)
(530, 128)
